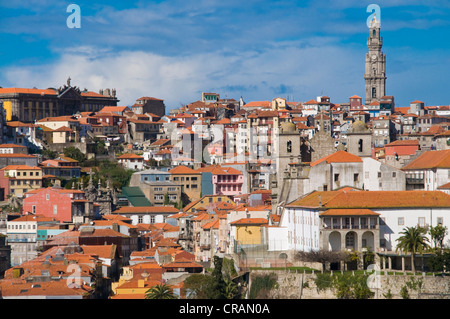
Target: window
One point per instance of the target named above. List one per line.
(355, 177)
(422, 221)
(55, 209)
(374, 92)
(440, 220)
(152, 219)
(394, 174)
(47, 196)
(401, 221)
(289, 147)
(379, 174)
(336, 177)
(33, 209)
(140, 219)
(360, 145)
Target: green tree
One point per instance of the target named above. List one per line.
(49, 154)
(349, 286)
(439, 261)
(161, 291)
(166, 199)
(261, 286)
(74, 153)
(200, 286)
(413, 240)
(218, 276)
(437, 235)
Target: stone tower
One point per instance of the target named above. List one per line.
(287, 151)
(375, 73)
(322, 144)
(359, 140)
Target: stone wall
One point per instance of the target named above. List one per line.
(299, 285)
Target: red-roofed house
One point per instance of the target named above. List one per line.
(428, 171)
(226, 180)
(131, 161)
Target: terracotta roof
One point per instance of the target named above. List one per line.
(250, 221)
(445, 186)
(430, 159)
(258, 104)
(32, 218)
(146, 98)
(102, 251)
(219, 170)
(338, 157)
(130, 155)
(51, 288)
(403, 143)
(18, 155)
(212, 224)
(373, 199)
(11, 146)
(146, 209)
(27, 91)
(182, 170)
(182, 263)
(20, 167)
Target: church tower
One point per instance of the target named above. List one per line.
(375, 73)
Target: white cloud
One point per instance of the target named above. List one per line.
(181, 79)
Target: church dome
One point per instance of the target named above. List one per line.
(288, 127)
(359, 126)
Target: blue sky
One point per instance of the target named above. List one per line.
(260, 50)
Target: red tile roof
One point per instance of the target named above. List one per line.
(373, 199)
(250, 221)
(146, 209)
(338, 157)
(130, 155)
(183, 170)
(430, 159)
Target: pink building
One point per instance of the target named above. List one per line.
(226, 180)
(65, 205)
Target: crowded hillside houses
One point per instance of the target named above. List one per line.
(253, 181)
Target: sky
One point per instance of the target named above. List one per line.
(175, 50)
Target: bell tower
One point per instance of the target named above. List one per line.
(375, 73)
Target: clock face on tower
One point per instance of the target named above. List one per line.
(374, 57)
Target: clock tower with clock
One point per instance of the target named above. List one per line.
(375, 73)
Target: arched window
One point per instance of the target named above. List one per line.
(374, 32)
(374, 92)
(360, 145)
(289, 147)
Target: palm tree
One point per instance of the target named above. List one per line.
(413, 240)
(161, 291)
(437, 234)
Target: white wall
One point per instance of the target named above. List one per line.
(391, 230)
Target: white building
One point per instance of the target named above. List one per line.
(131, 161)
(429, 171)
(146, 214)
(358, 220)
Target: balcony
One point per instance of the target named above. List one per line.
(415, 180)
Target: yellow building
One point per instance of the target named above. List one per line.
(249, 231)
(136, 280)
(19, 179)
